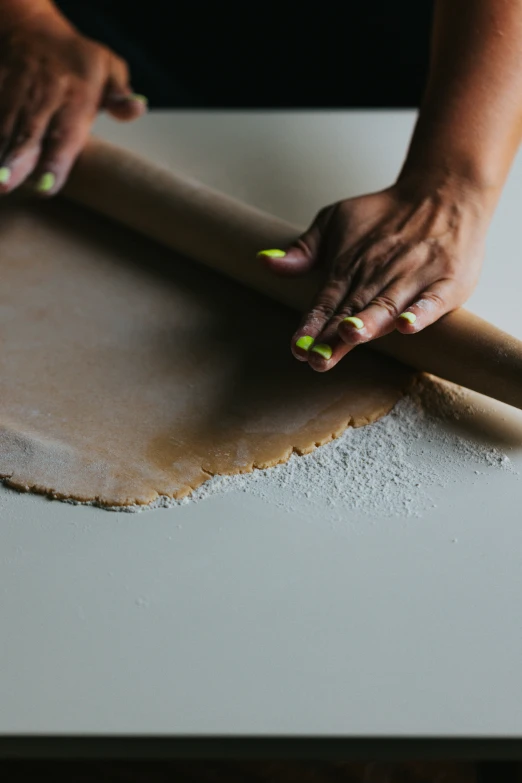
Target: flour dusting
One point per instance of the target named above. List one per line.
(384, 469)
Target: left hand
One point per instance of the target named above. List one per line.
(397, 259)
(53, 82)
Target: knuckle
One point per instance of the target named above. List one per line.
(59, 135)
(32, 129)
(386, 303)
(322, 311)
(21, 138)
(448, 266)
(346, 311)
(342, 270)
(445, 262)
(434, 299)
(355, 304)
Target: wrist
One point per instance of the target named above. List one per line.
(457, 156)
(451, 181)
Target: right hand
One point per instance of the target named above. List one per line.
(397, 259)
(53, 81)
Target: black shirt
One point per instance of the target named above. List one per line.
(219, 54)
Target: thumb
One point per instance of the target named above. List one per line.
(302, 255)
(119, 100)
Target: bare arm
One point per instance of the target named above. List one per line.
(470, 124)
(403, 257)
(53, 81)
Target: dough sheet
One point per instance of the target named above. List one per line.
(129, 372)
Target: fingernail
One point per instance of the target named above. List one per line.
(5, 175)
(323, 350)
(305, 342)
(410, 317)
(46, 183)
(272, 253)
(132, 96)
(354, 321)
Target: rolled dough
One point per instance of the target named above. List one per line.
(129, 373)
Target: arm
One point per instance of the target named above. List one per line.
(470, 124)
(402, 258)
(53, 81)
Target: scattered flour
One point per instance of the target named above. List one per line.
(383, 469)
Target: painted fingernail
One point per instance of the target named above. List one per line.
(46, 182)
(131, 96)
(305, 342)
(353, 321)
(323, 350)
(410, 317)
(272, 253)
(5, 175)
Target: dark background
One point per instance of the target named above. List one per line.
(266, 55)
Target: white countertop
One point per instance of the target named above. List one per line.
(231, 617)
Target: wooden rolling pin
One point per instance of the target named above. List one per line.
(225, 234)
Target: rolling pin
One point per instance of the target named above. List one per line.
(225, 234)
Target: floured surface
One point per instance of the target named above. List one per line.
(128, 373)
(391, 468)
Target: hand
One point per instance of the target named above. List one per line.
(397, 259)
(53, 81)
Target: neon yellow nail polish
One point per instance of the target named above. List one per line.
(410, 317)
(137, 97)
(46, 182)
(5, 175)
(272, 253)
(305, 342)
(323, 350)
(354, 321)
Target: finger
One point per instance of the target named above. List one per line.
(371, 323)
(8, 121)
(328, 347)
(126, 108)
(12, 96)
(306, 338)
(362, 318)
(432, 304)
(362, 281)
(17, 171)
(310, 334)
(66, 138)
(300, 257)
(24, 148)
(119, 99)
(380, 316)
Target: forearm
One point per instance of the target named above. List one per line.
(470, 123)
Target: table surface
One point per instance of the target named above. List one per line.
(233, 617)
